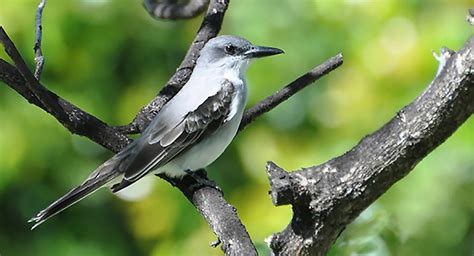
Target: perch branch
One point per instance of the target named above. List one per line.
(327, 197)
(219, 214)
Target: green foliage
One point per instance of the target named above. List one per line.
(110, 58)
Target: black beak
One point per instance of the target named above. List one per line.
(262, 51)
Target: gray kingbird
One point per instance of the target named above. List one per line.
(191, 130)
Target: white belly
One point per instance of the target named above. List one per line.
(205, 152)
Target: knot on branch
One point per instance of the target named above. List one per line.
(288, 188)
(281, 189)
(174, 9)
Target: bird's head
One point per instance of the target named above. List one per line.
(232, 52)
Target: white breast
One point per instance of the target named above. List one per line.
(210, 148)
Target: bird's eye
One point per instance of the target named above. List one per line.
(230, 49)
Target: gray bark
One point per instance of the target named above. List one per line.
(327, 197)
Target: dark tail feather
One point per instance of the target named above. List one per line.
(104, 174)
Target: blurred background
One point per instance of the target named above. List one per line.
(110, 58)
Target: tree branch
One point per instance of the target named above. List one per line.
(301, 82)
(220, 215)
(327, 197)
(39, 59)
(210, 27)
(210, 202)
(32, 84)
(173, 10)
(73, 118)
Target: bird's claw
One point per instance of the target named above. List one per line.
(201, 182)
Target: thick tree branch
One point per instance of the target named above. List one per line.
(174, 10)
(327, 197)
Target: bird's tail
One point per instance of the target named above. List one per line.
(100, 177)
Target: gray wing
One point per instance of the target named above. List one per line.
(161, 144)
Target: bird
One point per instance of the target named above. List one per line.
(189, 132)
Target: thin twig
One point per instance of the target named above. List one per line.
(51, 104)
(301, 82)
(39, 58)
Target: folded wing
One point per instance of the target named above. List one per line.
(160, 143)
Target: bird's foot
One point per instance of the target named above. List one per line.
(201, 181)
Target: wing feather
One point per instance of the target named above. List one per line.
(161, 144)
